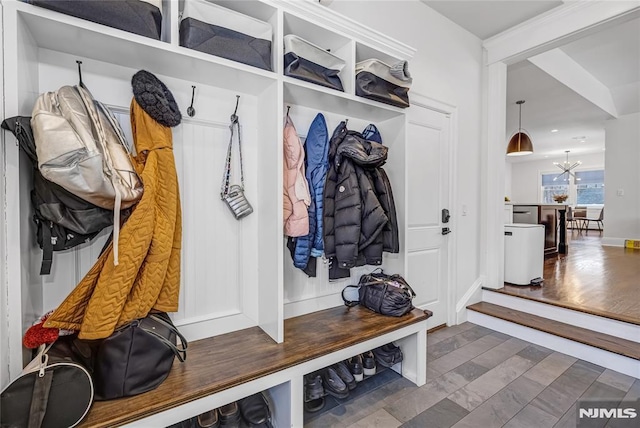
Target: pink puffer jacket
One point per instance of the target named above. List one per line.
(296, 188)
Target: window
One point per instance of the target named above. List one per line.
(551, 188)
(590, 187)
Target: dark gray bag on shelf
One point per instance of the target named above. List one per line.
(306, 61)
(375, 88)
(308, 71)
(134, 16)
(225, 43)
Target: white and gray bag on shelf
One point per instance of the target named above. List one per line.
(385, 83)
(306, 61)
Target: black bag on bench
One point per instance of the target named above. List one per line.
(382, 293)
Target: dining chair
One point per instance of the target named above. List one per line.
(599, 221)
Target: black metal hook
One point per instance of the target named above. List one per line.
(80, 83)
(288, 108)
(346, 122)
(190, 110)
(234, 117)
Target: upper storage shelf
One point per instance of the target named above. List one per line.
(62, 33)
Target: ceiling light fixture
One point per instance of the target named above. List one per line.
(554, 130)
(520, 144)
(566, 168)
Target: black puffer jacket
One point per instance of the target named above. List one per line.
(359, 216)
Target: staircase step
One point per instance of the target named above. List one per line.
(603, 341)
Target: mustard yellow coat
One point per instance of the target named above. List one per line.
(148, 274)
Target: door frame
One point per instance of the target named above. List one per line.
(451, 111)
(550, 30)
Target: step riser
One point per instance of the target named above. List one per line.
(568, 316)
(610, 360)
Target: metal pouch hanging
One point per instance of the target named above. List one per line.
(233, 195)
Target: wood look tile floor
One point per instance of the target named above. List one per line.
(591, 278)
(479, 378)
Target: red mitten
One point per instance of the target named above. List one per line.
(38, 335)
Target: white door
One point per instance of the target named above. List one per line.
(428, 144)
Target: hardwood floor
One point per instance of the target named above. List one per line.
(591, 278)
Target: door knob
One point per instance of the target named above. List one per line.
(446, 231)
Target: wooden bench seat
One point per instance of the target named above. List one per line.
(222, 362)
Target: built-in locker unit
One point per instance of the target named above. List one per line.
(235, 274)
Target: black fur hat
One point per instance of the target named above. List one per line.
(155, 98)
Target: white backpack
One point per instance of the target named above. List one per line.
(81, 147)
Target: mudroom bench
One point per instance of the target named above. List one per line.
(231, 366)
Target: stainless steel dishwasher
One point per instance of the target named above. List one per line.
(525, 214)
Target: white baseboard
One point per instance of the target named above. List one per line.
(598, 356)
(612, 242)
(473, 295)
(568, 316)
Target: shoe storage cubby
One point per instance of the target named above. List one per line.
(235, 274)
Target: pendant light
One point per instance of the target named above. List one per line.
(520, 144)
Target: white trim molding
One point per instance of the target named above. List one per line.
(612, 242)
(555, 27)
(473, 295)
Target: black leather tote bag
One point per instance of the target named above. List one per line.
(55, 390)
(226, 43)
(385, 294)
(375, 88)
(137, 357)
(134, 16)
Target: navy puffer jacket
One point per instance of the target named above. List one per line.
(316, 148)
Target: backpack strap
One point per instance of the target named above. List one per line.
(350, 303)
(47, 248)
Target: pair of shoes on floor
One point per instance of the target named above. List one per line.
(254, 410)
(387, 355)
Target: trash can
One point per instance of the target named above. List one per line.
(523, 253)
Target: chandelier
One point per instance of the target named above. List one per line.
(567, 168)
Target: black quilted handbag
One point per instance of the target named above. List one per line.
(382, 293)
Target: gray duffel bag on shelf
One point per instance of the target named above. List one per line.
(216, 30)
(143, 17)
(384, 83)
(306, 61)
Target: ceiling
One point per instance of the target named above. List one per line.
(488, 18)
(609, 60)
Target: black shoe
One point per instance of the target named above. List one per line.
(369, 363)
(355, 365)
(345, 374)
(210, 419)
(255, 409)
(314, 405)
(387, 355)
(313, 389)
(333, 385)
(229, 414)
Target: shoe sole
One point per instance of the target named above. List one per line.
(370, 372)
(358, 377)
